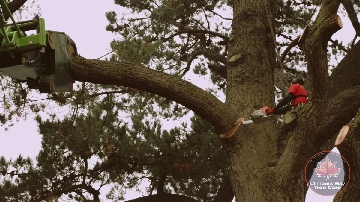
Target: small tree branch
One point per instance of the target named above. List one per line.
(14, 6)
(210, 54)
(339, 46)
(214, 56)
(195, 31)
(220, 70)
(288, 48)
(352, 15)
(215, 13)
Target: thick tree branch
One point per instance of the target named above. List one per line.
(14, 6)
(339, 111)
(314, 43)
(346, 74)
(352, 15)
(169, 86)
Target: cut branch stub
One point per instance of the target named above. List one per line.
(235, 57)
(314, 42)
(334, 25)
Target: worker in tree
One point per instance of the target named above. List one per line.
(289, 105)
(297, 95)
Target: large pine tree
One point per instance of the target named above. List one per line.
(161, 42)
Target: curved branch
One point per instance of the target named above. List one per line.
(193, 56)
(174, 88)
(290, 46)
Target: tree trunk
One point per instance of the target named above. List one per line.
(250, 65)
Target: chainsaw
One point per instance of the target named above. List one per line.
(258, 114)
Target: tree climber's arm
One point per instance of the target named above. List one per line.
(282, 102)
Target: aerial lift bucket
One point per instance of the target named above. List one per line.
(42, 60)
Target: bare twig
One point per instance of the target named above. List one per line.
(215, 13)
(339, 46)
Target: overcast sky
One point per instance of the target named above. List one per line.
(84, 21)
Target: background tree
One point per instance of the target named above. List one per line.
(244, 61)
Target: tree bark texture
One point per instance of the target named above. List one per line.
(251, 59)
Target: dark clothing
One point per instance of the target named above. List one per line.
(282, 110)
(296, 95)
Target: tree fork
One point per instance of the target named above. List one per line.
(314, 43)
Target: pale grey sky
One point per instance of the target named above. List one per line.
(84, 21)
